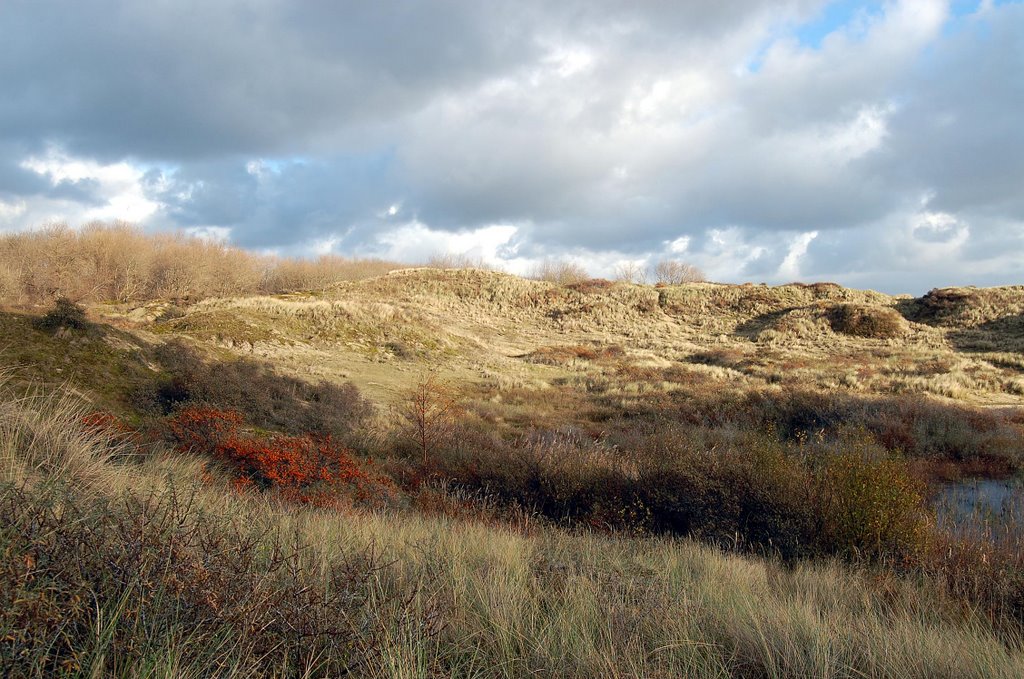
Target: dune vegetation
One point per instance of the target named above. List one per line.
(362, 469)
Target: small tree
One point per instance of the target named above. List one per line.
(631, 272)
(674, 272)
(430, 413)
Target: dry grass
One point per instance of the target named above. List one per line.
(876, 322)
(482, 325)
(445, 598)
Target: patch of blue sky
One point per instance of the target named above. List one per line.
(376, 160)
(959, 8)
(963, 11)
(839, 15)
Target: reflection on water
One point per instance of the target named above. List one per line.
(982, 505)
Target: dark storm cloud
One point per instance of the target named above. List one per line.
(198, 79)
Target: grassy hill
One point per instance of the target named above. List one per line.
(459, 472)
(483, 326)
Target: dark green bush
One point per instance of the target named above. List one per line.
(871, 506)
(64, 314)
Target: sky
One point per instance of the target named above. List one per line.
(874, 144)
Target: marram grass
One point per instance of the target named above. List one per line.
(429, 597)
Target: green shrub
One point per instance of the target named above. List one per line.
(871, 506)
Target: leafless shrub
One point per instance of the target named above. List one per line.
(430, 416)
(453, 260)
(118, 262)
(631, 272)
(560, 272)
(674, 272)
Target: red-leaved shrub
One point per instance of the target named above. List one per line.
(311, 469)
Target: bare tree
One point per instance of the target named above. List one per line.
(430, 412)
(632, 272)
(674, 272)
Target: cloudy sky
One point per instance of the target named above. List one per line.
(877, 144)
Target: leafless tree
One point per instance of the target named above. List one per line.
(430, 412)
(632, 272)
(674, 272)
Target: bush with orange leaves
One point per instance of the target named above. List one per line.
(307, 469)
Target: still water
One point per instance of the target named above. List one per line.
(983, 505)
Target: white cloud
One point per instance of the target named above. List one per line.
(214, 234)
(790, 267)
(119, 187)
(416, 242)
(11, 210)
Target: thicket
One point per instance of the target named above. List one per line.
(118, 262)
(746, 491)
(797, 475)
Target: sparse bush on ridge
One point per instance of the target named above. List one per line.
(631, 272)
(451, 260)
(559, 272)
(674, 272)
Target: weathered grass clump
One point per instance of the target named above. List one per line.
(861, 320)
